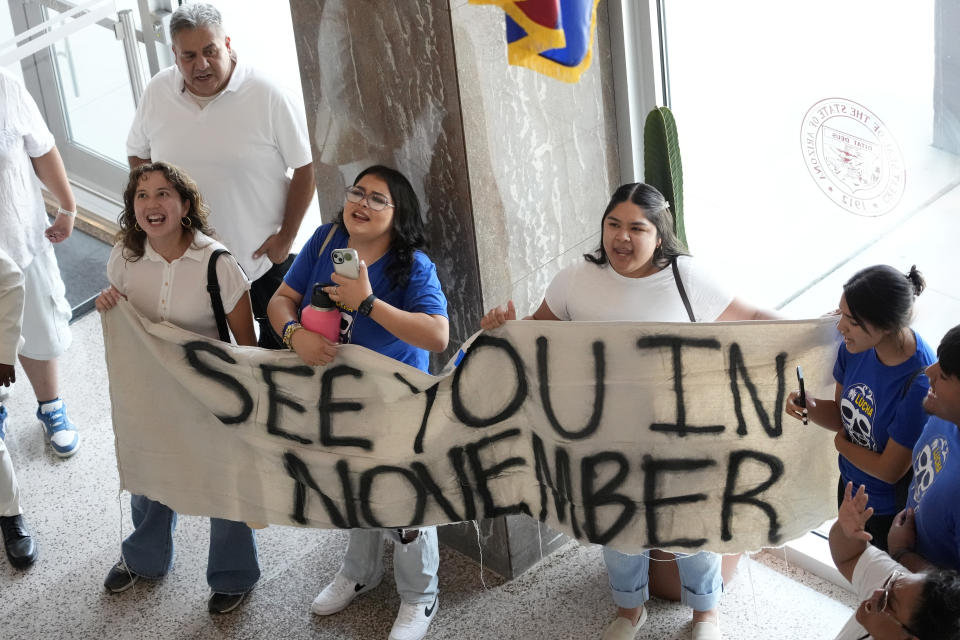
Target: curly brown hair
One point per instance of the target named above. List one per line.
(131, 236)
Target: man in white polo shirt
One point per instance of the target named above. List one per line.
(236, 134)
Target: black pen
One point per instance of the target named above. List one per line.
(802, 398)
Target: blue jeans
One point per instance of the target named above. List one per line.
(415, 564)
(232, 565)
(700, 578)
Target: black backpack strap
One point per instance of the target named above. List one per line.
(683, 292)
(909, 382)
(213, 288)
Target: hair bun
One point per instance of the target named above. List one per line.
(916, 279)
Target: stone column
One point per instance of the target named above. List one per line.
(514, 168)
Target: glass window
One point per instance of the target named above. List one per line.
(95, 91)
(807, 130)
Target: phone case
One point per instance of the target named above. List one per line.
(346, 263)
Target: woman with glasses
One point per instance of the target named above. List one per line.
(876, 411)
(641, 273)
(896, 603)
(396, 308)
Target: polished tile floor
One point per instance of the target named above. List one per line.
(79, 516)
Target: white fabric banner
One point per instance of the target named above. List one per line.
(668, 435)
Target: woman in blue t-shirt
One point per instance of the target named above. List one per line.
(877, 408)
(396, 308)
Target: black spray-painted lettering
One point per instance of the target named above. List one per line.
(366, 490)
(328, 408)
(423, 474)
(277, 398)
(519, 396)
(431, 395)
(297, 469)
(599, 373)
(346, 488)
(676, 344)
(730, 498)
(737, 365)
(192, 350)
(651, 468)
(457, 456)
(482, 475)
(562, 490)
(593, 499)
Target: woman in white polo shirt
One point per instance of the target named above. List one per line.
(160, 264)
(641, 273)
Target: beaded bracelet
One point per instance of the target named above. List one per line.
(288, 330)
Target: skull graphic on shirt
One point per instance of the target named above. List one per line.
(928, 463)
(858, 409)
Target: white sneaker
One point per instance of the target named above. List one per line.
(339, 593)
(621, 629)
(413, 620)
(707, 631)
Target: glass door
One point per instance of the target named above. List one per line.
(83, 85)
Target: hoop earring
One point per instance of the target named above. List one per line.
(186, 222)
(136, 226)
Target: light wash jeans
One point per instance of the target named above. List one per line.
(415, 564)
(232, 565)
(700, 578)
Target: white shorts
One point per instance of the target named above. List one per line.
(46, 312)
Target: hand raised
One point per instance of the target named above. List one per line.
(497, 316)
(854, 513)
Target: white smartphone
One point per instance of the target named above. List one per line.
(346, 262)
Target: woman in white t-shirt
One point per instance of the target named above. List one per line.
(632, 277)
(160, 265)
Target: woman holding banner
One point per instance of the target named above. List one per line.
(394, 307)
(876, 410)
(641, 273)
(160, 265)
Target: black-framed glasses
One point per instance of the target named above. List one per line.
(885, 601)
(376, 201)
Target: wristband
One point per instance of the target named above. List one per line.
(367, 305)
(63, 212)
(288, 330)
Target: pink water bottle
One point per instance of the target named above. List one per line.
(322, 315)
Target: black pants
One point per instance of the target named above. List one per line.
(261, 291)
(879, 525)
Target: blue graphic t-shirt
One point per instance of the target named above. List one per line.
(421, 295)
(933, 493)
(875, 408)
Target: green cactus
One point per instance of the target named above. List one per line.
(661, 163)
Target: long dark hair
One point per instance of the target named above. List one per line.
(131, 235)
(407, 234)
(657, 210)
(883, 297)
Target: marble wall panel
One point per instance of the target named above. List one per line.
(542, 156)
(380, 86)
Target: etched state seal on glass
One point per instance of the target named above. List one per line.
(853, 157)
